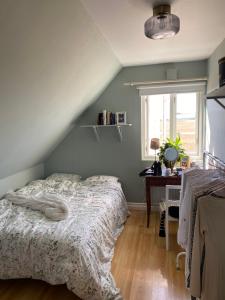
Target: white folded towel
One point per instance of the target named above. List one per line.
(52, 205)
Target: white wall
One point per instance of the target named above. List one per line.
(53, 63)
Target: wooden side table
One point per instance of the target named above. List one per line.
(157, 181)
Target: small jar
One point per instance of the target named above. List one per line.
(168, 172)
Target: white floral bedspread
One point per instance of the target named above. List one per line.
(76, 251)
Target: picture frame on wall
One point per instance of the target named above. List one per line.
(121, 118)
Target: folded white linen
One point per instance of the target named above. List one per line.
(52, 205)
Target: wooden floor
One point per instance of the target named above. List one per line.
(142, 268)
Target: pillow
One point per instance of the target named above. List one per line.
(103, 178)
(59, 177)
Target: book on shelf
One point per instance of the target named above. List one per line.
(108, 115)
(112, 119)
(100, 119)
(106, 118)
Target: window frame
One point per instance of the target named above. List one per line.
(200, 89)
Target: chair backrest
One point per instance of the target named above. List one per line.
(168, 200)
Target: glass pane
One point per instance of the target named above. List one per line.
(186, 124)
(158, 119)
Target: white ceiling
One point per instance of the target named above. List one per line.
(122, 24)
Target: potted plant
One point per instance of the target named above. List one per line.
(170, 143)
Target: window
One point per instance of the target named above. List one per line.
(170, 114)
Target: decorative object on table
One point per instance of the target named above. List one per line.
(121, 118)
(185, 162)
(179, 171)
(171, 154)
(154, 145)
(156, 166)
(174, 154)
(167, 172)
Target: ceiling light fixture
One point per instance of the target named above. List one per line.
(162, 24)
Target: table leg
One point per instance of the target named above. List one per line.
(148, 200)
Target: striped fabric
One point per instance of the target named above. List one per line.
(173, 212)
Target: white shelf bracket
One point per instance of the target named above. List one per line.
(220, 103)
(119, 130)
(96, 133)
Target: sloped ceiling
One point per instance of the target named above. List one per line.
(53, 63)
(202, 29)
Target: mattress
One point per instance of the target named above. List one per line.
(76, 251)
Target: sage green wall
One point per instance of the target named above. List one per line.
(81, 153)
(216, 115)
(54, 62)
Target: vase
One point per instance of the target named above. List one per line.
(169, 164)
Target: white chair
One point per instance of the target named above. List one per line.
(164, 206)
(169, 203)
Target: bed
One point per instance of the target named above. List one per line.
(76, 251)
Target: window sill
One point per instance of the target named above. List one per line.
(149, 158)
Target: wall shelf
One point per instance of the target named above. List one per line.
(217, 95)
(96, 128)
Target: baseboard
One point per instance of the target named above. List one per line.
(137, 206)
(141, 206)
